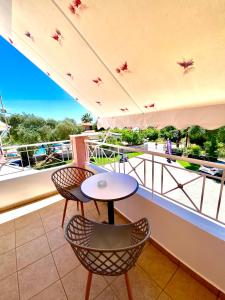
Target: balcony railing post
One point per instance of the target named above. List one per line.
(153, 175)
(79, 151)
(28, 157)
(118, 155)
(220, 195)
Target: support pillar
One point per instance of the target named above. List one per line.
(79, 150)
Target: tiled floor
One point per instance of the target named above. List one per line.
(37, 263)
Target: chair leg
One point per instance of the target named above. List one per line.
(96, 205)
(129, 292)
(77, 205)
(82, 209)
(64, 212)
(88, 286)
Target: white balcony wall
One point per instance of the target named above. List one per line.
(195, 241)
(24, 188)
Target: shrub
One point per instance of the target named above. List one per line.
(132, 137)
(177, 151)
(113, 140)
(221, 150)
(193, 150)
(211, 149)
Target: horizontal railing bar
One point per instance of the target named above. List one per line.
(32, 145)
(172, 157)
(172, 166)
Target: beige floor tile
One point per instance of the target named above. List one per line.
(164, 296)
(7, 227)
(157, 265)
(72, 209)
(119, 219)
(7, 263)
(53, 292)
(32, 219)
(7, 242)
(75, 283)
(143, 287)
(27, 234)
(65, 259)
(36, 277)
(32, 251)
(91, 206)
(184, 287)
(93, 215)
(110, 279)
(53, 221)
(9, 288)
(56, 238)
(107, 294)
(51, 210)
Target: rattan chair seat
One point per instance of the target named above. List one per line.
(75, 192)
(106, 249)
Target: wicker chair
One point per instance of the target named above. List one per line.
(105, 249)
(67, 182)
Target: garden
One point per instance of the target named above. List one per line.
(194, 142)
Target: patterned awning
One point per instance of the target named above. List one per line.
(126, 57)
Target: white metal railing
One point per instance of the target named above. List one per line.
(197, 191)
(37, 156)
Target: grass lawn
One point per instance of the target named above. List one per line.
(188, 165)
(106, 160)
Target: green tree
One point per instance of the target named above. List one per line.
(65, 128)
(14, 121)
(30, 129)
(151, 133)
(221, 134)
(51, 123)
(47, 134)
(168, 132)
(132, 137)
(26, 136)
(211, 147)
(197, 135)
(86, 118)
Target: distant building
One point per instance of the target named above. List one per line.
(87, 126)
(4, 128)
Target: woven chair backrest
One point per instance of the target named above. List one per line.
(106, 261)
(68, 177)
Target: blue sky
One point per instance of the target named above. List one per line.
(25, 88)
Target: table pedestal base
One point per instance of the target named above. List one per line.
(111, 212)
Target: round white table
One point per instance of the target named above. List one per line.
(109, 187)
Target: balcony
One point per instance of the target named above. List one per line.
(38, 263)
(142, 80)
(175, 265)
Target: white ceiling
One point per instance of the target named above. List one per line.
(151, 36)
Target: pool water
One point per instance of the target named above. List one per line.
(40, 151)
